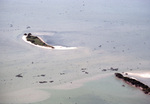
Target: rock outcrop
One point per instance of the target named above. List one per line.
(134, 82)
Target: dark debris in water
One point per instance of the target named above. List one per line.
(84, 70)
(62, 73)
(46, 82)
(111, 69)
(42, 75)
(19, 75)
(42, 81)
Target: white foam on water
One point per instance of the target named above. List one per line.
(64, 48)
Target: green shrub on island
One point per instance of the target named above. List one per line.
(134, 82)
(37, 41)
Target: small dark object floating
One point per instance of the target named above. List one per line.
(43, 75)
(51, 81)
(19, 75)
(42, 81)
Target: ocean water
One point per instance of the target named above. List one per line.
(107, 34)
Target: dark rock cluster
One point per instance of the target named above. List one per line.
(134, 82)
(84, 70)
(19, 75)
(111, 69)
(45, 82)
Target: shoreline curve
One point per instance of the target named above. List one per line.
(55, 47)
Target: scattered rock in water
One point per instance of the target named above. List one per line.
(104, 70)
(19, 75)
(51, 81)
(28, 27)
(43, 75)
(83, 68)
(123, 85)
(100, 45)
(111, 69)
(11, 25)
(62, 73)
(42, 81)
(25, 34)
(86, 72)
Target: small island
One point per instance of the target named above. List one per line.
(134, 82)
(36, 40)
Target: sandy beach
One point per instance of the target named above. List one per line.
(143, 75)
(55, 47)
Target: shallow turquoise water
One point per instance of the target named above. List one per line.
(106, 34)
(108, 90)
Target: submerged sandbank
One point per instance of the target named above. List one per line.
(55, 47)
(32, 95)
(29, 95)
(80, 82)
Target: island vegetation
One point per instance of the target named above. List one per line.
(36, 40)
(134, 82)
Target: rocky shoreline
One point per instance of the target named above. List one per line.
(134, 82)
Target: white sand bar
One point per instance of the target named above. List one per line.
(55, 47)
(143, 75)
